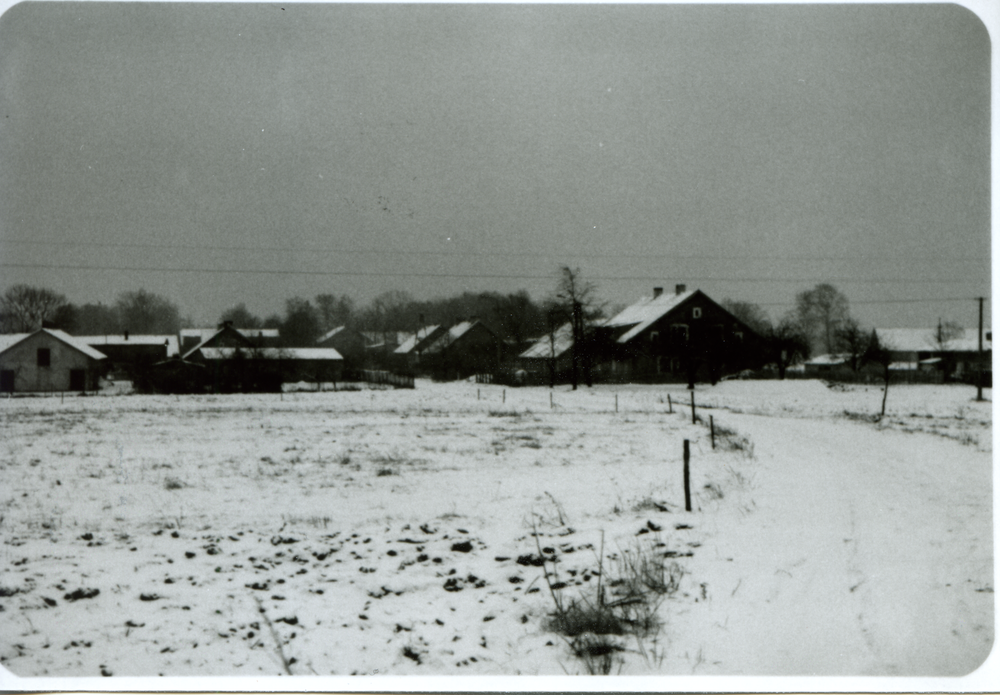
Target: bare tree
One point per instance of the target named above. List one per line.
(516, 316)
(241, 317)
(880, 353)
(334, 311)
(787, 342)
(821, 311)
(749, 313)
(145, 312)
(301, 326)
(853, 341)
(577, 298)
(23, 308)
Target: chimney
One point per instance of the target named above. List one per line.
(657, 291)
(681, 289)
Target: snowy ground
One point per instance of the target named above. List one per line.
(390, 532)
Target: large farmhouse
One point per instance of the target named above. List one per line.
(47, 360)
(669, 337)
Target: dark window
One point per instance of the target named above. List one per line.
(7, 381)
(44, 357)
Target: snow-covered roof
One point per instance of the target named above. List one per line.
(923, 340)
(411, 342)
(9, 340)
(338, 330)
(645, 313)
(827, 360)
(450, 336)
(551, 345)
(170, 340)
(224, 353)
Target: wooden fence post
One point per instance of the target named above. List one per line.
(477, 394)
(670, 405)
(551, 404)
(687, 475)
(711, 426)
(504, 396)
(693, 420)
(616, 402)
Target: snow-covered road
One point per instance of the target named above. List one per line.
(867, 552)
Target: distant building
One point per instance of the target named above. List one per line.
(408, 354)
(918, 349)
(826, 365)
(467, 348)
(260, 337)
(549, 356)
(349, 343)
(47, 360)
(255, 369)
(128, 352)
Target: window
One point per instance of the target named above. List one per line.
(679, 332)
(654, 336)
(696, 312)
(44, 357)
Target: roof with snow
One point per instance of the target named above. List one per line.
(339, 330)
(93, 340)
(923, 340)
(411, 343)
(645, 313)
(552, 344)
(827, 360)
(225, 353)
(9, 340)
(450, 336)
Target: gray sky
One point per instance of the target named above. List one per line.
(750, 151)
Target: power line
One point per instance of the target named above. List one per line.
(490, 276)
(515, 254)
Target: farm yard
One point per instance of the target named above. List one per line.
(459, 529)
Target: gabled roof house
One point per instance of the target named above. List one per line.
(680, 336)
(47, 360)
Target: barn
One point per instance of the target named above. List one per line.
(47, 360)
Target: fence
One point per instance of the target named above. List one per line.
(379, 377)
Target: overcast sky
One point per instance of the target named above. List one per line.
(750, 151)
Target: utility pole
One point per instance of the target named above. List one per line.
(979, 375)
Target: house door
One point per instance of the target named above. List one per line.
(77, 380)
(7, 381)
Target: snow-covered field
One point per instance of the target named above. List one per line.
(392, 532)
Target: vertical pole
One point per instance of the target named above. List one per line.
(711, 426)
(687, 475)
(979, 376)
(477, 394)
(670, 404)
(551, 404)
(504, 396)
(693, 421)
(62, 394)
(616, 402)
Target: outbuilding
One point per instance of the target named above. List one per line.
(47, 360)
